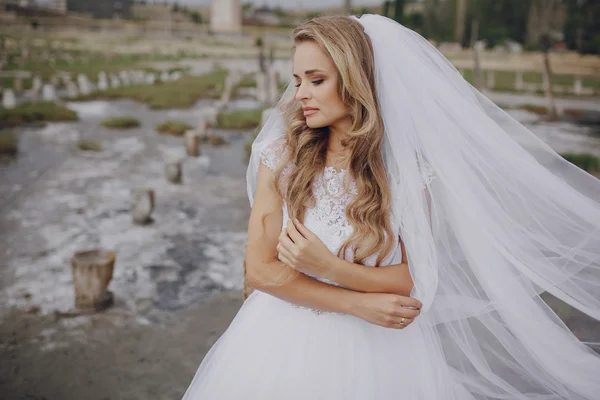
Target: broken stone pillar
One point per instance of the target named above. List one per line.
(192, 143)
(49, 92)
(72, 90)
(143, 204)
(102, 81)
(85, 86)
(92, 271)
(173, 171)
(9, 101)
(577, 86)
(114, 81)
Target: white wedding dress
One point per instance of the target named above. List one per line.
(275, 350)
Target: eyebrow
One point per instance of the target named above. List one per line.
(308, 72)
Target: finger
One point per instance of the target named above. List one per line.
(409, 302)
(405, 312)
(294, 234)
(304, 231)
(399, 324)
(287, 243)
(285, 253)
(286, 261)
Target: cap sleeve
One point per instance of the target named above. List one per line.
(274, 154)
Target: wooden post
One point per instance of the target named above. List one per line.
(519, 85)
(92, 271)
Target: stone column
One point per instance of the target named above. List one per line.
(226, 16)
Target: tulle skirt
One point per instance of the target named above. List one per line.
(274, 350)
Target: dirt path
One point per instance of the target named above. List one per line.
(109, 356)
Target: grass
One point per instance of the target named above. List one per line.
(239, 119)
(8, 143)
(182, 93)
(533, 108)
(120, 123)
(587, 162)
(35, 112)
(176, 128)
(96, 63)
(247, 81)
(214, 140)
(89, 145)
(505, 80)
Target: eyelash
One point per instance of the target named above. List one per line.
(317, 82)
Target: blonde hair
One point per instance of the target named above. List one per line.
(351, 51)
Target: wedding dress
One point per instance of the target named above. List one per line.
(490, 216)
(277, 350)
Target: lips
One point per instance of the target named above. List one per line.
(309, 111)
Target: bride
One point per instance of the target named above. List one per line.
(402, 230)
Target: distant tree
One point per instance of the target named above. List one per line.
(415, 21)
(399, 10)
(582, 30)
(498, 20)
(348, 6)
(279, 12)
(196, 17)
(546, 42)
(175, 8)
(461, 16)
(386, 7)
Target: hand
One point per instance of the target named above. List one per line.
(387, 310)
(302, 250)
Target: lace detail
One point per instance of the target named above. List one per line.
(274, 154)
(316, 311)
(333, 192)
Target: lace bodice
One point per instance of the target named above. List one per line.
(333, 191)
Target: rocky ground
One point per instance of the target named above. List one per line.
(177, 282)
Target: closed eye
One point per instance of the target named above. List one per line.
(317, 82)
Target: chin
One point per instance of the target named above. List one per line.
(315, 124)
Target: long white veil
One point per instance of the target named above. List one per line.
(504, 219)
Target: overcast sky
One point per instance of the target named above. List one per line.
(289, 3)
(282, 3)
(297, 3)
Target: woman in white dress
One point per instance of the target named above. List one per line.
(402, 229)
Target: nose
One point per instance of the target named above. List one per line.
(302, 92)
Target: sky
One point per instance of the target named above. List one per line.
(289, 4)
(296, 3)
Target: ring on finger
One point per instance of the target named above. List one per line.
(402, 320)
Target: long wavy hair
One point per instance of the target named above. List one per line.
(351, 51)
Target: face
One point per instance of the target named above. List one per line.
(316, 83)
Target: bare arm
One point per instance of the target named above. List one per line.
(267, 274)
(393, 278)
(300, 248)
